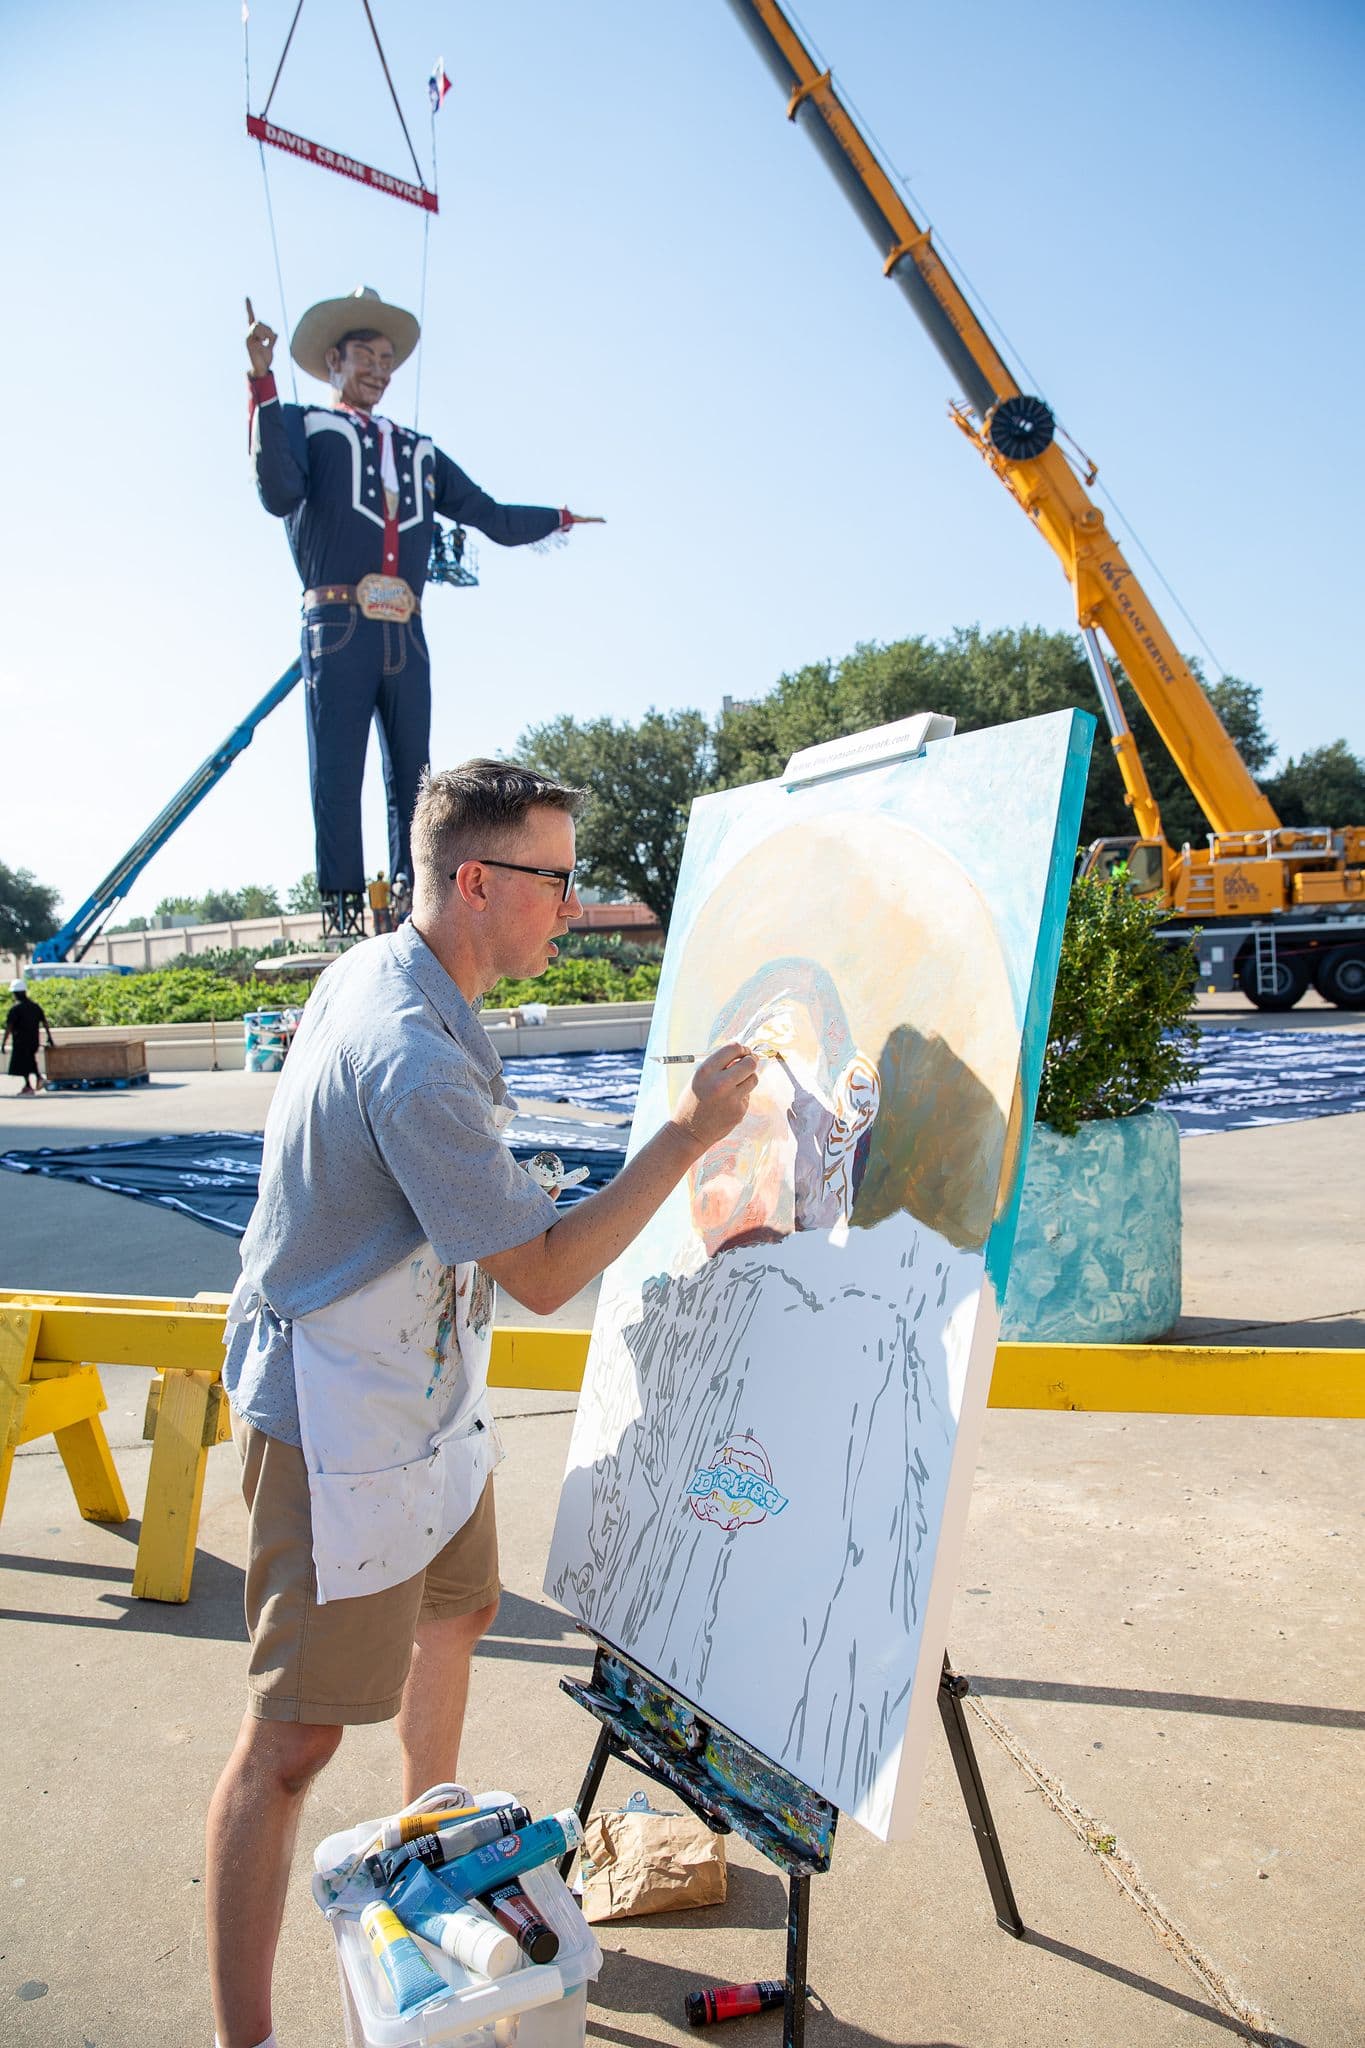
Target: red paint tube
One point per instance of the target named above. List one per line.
(512, 1909)
(732, 2001)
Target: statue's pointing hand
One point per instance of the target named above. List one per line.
(260, 344)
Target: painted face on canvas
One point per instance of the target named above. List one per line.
(792, 1163)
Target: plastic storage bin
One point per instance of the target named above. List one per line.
(266, 1035)
(539, 2005)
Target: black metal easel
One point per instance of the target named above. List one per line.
(734, 1789)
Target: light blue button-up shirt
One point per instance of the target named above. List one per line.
(382, 1134)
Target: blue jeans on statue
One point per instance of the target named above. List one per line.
(356, 670)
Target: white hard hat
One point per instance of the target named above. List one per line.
(18, 988)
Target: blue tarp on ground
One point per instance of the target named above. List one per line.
(1247, 1078)
(213, 1175)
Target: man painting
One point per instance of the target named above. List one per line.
(359, 497)
(359, 1334)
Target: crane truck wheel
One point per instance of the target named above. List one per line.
(1340, 977)
(1289, 982)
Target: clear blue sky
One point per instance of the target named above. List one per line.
(647, 298)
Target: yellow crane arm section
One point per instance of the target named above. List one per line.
(1001, 420)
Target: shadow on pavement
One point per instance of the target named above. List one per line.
(1171, 1702)
(1196, 2007)
(531, 1631)
(213, 1611)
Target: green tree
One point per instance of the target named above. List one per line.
(1121, 1031)
(641, 781)
(303, 896)
(28, 910)
(1325, 786)
(979, 679)
(258, 900)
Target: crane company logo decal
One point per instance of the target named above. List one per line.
(737, 1491)
(1237, 889)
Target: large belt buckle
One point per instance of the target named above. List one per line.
(385, 597)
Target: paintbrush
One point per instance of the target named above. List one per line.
(689, 1059)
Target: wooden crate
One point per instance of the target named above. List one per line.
(115, 1059)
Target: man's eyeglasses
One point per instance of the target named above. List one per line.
(562, 875)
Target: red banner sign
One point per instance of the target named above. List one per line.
(333, 160)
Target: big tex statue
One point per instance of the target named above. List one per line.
(359, 498)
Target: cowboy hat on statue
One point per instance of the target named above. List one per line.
(359, 497)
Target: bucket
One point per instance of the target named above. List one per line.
(539, 2005)
(267, 1034)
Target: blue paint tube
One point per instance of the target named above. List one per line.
(487, 1868)
(467, 1932)
(410, 1976)
(447, 1844)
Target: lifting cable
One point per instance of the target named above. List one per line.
(262, 131)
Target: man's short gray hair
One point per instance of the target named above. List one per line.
(466, 811)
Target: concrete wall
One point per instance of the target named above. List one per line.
(141, 950)
(578, 1027)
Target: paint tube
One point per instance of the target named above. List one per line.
(406, 1827)
(468, 1933)
(447, 1845)
(337, 1860)
(496, 1862)
(732, 2001)
(512, 1909)
(409, 1975)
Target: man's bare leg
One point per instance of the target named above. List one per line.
(253, 1820)
(431, 1718)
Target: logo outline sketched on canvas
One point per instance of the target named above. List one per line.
(736, 1490)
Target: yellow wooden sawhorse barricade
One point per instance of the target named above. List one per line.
(50, 1386)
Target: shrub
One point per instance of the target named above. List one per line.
(167, 995)
(1121, 1031)
(566, 981)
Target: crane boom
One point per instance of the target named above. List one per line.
(1014, 434)
(82, 927)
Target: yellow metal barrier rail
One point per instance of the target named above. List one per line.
(51, 1346)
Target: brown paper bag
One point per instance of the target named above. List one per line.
(650, 1863)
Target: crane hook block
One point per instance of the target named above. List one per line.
(1021, 427)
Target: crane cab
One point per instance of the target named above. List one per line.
(1143, 862)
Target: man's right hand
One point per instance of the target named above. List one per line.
(260, 344)
(717, 1096)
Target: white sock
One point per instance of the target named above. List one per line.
(269, 2041)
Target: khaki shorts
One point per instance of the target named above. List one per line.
(346, 1661)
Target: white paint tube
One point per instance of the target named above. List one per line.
(468, 1933)
(447, 1845)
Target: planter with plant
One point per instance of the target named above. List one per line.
(1097, 1255)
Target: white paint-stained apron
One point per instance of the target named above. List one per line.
(397, 1433)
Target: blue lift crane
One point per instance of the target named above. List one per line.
(82, 928)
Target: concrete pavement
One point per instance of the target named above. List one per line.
(1160, 1616)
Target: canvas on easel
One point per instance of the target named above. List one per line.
(769, 1472)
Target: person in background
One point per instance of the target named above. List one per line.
(25, 1021)
(381, 897)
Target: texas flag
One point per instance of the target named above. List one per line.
(438, 85)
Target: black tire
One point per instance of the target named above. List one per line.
(1291, 980)
(1340, 977)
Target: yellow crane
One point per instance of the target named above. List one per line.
(1280, 904)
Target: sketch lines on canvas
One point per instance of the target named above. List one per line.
(764, 1447)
